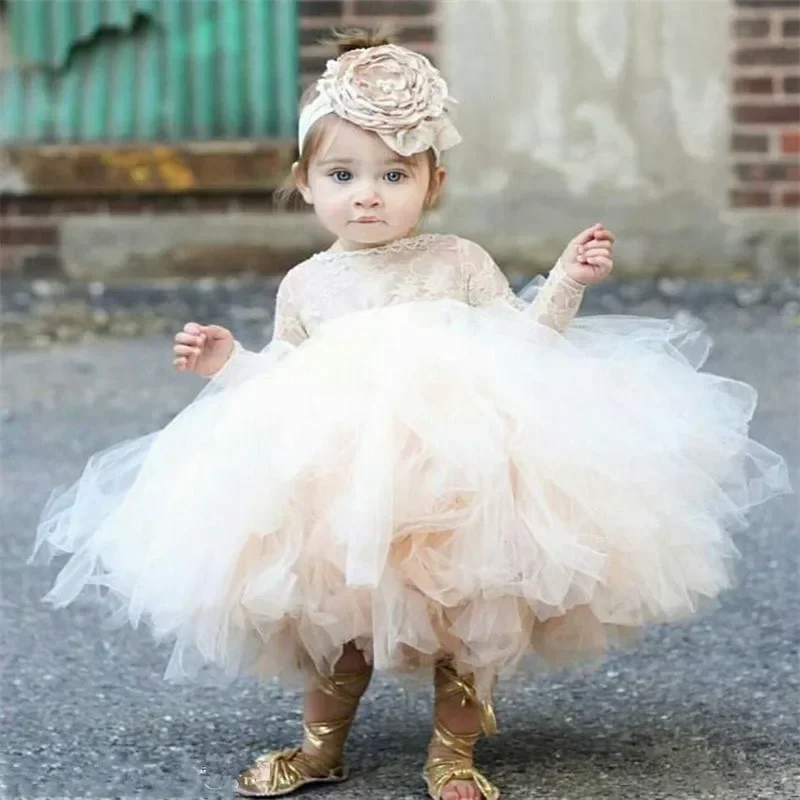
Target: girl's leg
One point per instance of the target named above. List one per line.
(459, 719)
(332, 703)
(330, 707)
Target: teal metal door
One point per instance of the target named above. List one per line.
(150, 70)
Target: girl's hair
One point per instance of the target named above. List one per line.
(353, 39)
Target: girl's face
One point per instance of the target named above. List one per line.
(364, 192)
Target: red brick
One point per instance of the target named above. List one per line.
(314, 36)
(791, 199)
(80, 205)
(766, 114)
(767, 56)
(760, 4)
(417, 34)
(747, 85)
(169, 203)
(313, 65)
(749, 143)
(393, 8)
(321, 8)
(772, 172)
(219, 204)
(790, 142)
(751, 28)
(126, 204)
(750, 198)
(791, 27)
(21, 235)
(30, 206)
(791, 84)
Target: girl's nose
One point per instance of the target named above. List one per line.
(368, 199)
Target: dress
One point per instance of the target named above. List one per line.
(426, 464)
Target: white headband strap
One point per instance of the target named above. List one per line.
(310, 115)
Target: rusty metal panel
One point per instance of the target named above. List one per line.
(150, 70)
(162, 168)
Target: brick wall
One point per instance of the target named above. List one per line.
(414, 20)
(765, 86)
(30, 225)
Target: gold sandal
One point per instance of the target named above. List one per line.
(457, 765)
(276, 774)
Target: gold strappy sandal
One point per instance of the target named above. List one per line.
(276, 774)
(457, 764)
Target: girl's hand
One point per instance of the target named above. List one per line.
(203, 349)
(588, 257)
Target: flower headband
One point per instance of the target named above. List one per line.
(392, 91)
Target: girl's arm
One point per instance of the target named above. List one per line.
(555, 305)
(288, 332)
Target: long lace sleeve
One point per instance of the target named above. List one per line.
(288, 330)
(555, 304)
(289, 325)
(557, 301)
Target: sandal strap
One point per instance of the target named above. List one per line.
(340, 685)
(280, 773)
(322, 734)
(453, 683)
(327, 738)
(314, 764)
(439, 771)
(456, 763)
(460, 744)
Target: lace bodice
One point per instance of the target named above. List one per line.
(424, 267)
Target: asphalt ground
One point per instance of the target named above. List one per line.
(709, 709)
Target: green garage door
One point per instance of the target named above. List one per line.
(149, 70)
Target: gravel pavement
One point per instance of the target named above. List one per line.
(703, 710)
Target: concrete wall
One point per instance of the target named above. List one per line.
(576, 111)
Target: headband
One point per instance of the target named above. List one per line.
(389, 90)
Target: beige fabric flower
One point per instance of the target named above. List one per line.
(392, 91)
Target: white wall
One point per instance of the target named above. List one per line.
(576, 111)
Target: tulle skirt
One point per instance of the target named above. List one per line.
(424, 479)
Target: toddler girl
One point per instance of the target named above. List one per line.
(421, 470)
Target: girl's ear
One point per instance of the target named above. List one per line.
(435, 189)
(300, 178)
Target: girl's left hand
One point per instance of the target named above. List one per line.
(588, 257)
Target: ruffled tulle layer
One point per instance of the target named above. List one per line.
(425, 478)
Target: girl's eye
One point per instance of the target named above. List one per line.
(395, 176)
(341, 175)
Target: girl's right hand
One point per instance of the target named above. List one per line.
(203, 349)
